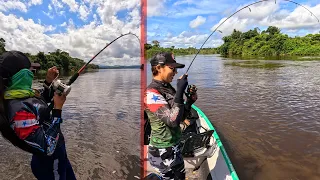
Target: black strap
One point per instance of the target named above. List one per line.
(147, 129)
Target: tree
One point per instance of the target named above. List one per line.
(65, 62)
(236, 34)
(226, 39)
(250, 34)
(156, 43)
(257, 29)
(41, 57)
(2, 45)
(147, 46)
(316, 37)
(272, 30)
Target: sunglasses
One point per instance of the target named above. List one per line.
(172, 68)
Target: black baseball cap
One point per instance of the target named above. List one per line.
(12, 62)
(165, 58)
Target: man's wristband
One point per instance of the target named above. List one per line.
(46, 84)
(56, 113)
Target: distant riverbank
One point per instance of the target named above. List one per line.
(270, 43)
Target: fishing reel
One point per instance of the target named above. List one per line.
(191, 90)
(61, 88)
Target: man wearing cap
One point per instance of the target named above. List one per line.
(165, 109)
(26, 120)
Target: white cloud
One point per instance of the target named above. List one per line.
(299, 18)
(49, 28)
(233, 23)
(57, 4)
(83, 12)
(71, 25)
(34, 2)
(63, 24)
(73, 5)
(258, 11)
(189, 39)
(95, 18)
(183, 2)
(48, 14)
(81, 42)
(269, 14)
(109, 8)
(197, 22)
(49, 7)
(12, 4)
(61, 13)
(155, 7)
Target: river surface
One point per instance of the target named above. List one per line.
(101, 127)
(267, 114)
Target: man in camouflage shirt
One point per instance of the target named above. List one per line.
(165, 109)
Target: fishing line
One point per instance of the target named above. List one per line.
(61, 88)
(76, 75)
(247, 6)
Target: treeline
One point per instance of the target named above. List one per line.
(270, 42)
(65, 63)
(155, 47)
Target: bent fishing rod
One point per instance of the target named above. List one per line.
(247, 6)
(76, 75)
(61, 88)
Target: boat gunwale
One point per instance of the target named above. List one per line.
(219, 143)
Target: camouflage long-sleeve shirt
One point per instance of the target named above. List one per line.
(164, 114)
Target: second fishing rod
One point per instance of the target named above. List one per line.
(192, 89)
(247, 6)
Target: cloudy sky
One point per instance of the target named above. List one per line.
(83, 27)
(185, 23)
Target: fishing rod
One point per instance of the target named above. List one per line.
(76, 75)
(247, 6)
(61, 88)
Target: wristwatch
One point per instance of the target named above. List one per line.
(46, 84)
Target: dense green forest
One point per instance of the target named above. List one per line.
(270, 42)
(65, 63)
(155, 48)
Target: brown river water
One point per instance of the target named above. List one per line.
(268, 118)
